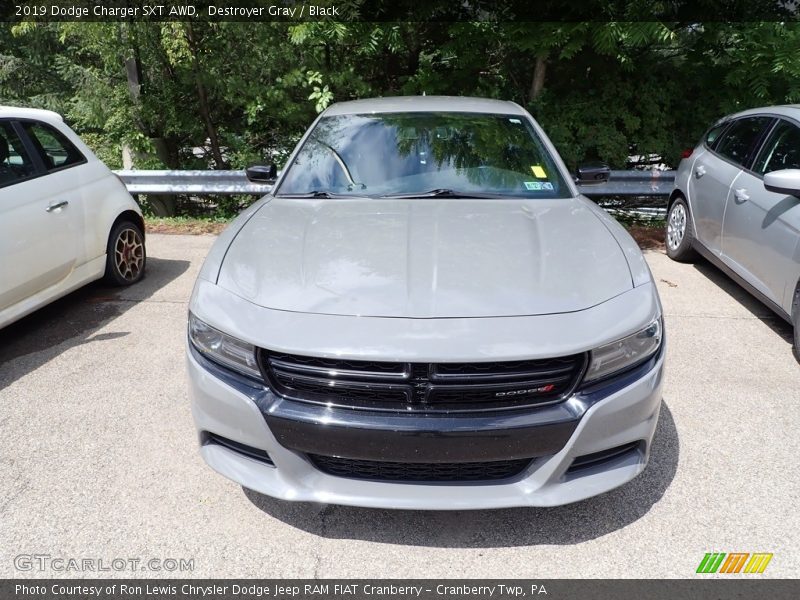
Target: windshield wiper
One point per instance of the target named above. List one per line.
(442, 193)
(319, 194)
(437, 193)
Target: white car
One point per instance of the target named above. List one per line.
(65, 218)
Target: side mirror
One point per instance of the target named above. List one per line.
(262, 173)
(593, 173)
(785, 181)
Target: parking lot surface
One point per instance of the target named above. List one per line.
(99, 460)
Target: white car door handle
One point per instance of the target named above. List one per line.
(741, 195)
(700, 171)
(57, 205)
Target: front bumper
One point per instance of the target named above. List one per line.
(590, 421)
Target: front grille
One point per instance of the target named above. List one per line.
(427, 387)
(419, 472)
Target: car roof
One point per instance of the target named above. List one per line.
(16, 112)
(784, 110)
(395, 104)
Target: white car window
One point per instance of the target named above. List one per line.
(56, 150)
(15, 164)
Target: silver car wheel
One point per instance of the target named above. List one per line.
(676, 226)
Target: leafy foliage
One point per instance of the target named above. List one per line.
(224, 95)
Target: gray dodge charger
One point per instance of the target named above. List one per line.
(424, 313)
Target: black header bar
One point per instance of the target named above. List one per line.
(681, 11)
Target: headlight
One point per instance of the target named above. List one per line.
(626, 352)
(223, 348)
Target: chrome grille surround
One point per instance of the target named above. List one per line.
(422, 387)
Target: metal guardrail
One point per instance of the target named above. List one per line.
(621, 183)
(632, 183)
(190, 182)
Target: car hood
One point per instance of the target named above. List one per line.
(425, 258)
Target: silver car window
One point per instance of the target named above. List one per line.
(714, 132)
(781, 150)
(739, 140)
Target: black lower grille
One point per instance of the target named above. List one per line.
(431, 387)
(597, 458)
(208, 438)
(419, 472)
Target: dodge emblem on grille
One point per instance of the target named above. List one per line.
(537, 390)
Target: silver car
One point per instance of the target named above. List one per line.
(425, 313)
(737, 203)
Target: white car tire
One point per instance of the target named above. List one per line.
(125, 254)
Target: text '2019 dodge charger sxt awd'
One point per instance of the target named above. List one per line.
(424, 313)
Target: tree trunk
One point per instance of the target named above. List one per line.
(202, 98)
(210, 129)
(539, 71)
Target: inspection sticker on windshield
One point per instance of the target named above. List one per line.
(538, 185)
(538, 172)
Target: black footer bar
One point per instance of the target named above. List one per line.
(700, 588)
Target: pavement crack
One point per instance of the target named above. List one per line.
(323, 533)
(15, 493)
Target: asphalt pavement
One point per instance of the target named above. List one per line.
(99, 460)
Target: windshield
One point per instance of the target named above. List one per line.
(424, 154)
